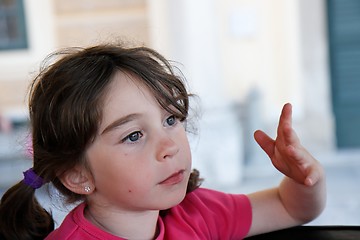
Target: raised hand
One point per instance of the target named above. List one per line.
(286, 152)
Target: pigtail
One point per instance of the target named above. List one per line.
(21, 215)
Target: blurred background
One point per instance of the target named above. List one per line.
(243, 58)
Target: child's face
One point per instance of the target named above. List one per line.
(140, 159)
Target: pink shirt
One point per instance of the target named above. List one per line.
(203, 214)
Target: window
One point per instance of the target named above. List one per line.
(12, 25)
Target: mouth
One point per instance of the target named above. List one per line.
(173, 179)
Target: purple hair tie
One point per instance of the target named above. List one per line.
(32, 179)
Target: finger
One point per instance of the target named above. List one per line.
(265, 142)
(295, 153)
(285, 129)
(312, 178)
(285, 121)
(290, 137)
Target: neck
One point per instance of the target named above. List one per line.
(128, 225)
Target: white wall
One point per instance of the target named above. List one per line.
(278, 47)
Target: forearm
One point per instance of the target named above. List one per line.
(302, 202)
(288, 205)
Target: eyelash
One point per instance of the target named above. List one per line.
(174, 118)
(139, 134)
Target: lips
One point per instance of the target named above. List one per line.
(173, 179)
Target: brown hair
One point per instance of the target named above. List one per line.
(65, 106)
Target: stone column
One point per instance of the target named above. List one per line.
(192, 40)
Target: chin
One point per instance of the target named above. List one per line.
(174, 199)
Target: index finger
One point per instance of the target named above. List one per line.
(285, 121)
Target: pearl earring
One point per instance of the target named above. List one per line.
(87, 189)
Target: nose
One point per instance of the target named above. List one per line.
(166, 147)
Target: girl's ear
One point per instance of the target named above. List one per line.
(78, 180)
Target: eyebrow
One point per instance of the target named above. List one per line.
(119, 122)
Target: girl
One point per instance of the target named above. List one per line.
(108, 131)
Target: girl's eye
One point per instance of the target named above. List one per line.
(133, 137)
(170, 121)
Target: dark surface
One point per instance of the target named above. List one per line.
(313, 233)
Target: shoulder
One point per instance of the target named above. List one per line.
(212, 212)
(211, 198)
(69, 226)
(76, 226)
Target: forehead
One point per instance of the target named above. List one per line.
(125, 85)
(126, 93)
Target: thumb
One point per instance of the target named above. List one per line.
(265, 142)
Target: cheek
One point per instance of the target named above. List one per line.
(123, 185)
(139, 181)
(186, 147)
